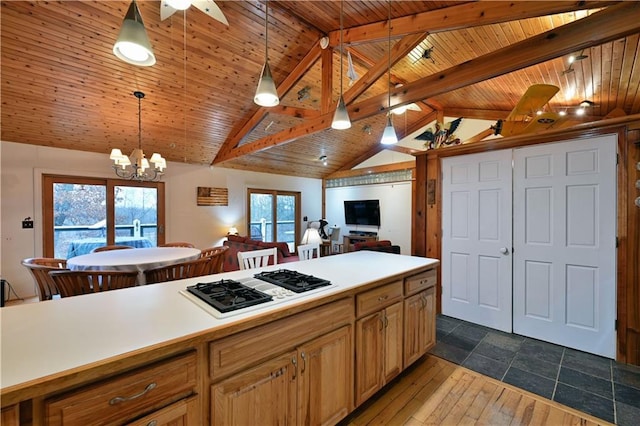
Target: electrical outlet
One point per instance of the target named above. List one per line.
(27, 224)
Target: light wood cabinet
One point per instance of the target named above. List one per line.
(325, 393)
(265, 394)
(10, 415)
(126, 397)
(311, 385)
(181, 413)
(378, 350)
(420, 327)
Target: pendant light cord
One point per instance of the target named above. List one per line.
(389, 63)
(341, 45)
(139, 120)
(266, 31)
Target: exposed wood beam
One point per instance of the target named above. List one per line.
(326, 93)
(239, 132)
(481, 114)
(418, 124)
(460, 16)
(610, 24)
(351, 164)
(403, 149)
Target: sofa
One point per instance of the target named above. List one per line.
(238, 243)
(382, 245)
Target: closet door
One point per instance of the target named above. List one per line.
(476, 238)
(564, 240)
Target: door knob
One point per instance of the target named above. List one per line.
(504, 250)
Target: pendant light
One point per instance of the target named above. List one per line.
(132, 44)
(266, 93)
(341, 116)
(389, 135)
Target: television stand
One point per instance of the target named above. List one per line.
(349, 240)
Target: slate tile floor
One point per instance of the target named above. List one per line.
(589, 383)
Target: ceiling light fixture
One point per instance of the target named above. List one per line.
(139, 164)
(389, 135)
(266, 93)
(323, 158)
(132, 44)
(341, 119)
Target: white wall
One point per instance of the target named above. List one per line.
(395, 210)
(22, 166)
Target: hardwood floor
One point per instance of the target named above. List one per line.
(437, 392)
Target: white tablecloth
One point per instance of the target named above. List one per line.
(137, 259)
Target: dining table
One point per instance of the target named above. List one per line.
(86, 245)
(135, 259)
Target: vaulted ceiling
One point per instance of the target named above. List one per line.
(63, 87)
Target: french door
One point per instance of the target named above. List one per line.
(80, 214)
(555, 278)
(476, 238)
(274, 216)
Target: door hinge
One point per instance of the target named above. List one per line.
(617, 242)
(617, 159)
(616, 325)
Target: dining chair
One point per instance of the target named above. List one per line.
(306, 251)
(111, 247)
(257, 258)
(177, 244)
(77, 283)
(39, 268)
(216, 256)
(178, 271)
(334, 240)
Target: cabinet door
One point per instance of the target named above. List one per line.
(181, 413)
(265, 394)
(10, 416)
(419, 329)
(326, 378)
(369, 356)
(393, 336)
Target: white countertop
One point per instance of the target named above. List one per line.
(47, 338)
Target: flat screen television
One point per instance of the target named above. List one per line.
(362, 212)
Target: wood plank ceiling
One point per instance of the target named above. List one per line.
(63, 87)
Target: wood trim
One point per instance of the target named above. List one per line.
(375, 169)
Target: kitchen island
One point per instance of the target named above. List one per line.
(149, 353)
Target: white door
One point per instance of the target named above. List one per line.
(564, 241)
(476, 238)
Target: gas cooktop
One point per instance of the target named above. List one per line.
(292, 280)
(225, 297)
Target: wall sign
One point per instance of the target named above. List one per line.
(212, 196)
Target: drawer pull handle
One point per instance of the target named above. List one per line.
(304, 362)
(294, 361)
(152, 423)
(381, 298)
(119, 399)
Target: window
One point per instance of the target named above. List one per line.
(274, 216)
(80, 214)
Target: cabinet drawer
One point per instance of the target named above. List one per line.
(244, 349)
(125, 397)
(378, 298)
(421, 281)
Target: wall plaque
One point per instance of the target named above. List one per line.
(212, 196)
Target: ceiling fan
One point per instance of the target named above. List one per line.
(169, 7)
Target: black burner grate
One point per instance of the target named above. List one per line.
(292, 280)
(228, 295)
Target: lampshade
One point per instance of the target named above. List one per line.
(341, 116)
(311, 236)
(132, 44)
(389, 135)
(266, 93)
(233, 231)
(179, 4)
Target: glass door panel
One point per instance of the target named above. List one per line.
(136, 216)
(261, 217)
(79, 218)
(286, 220)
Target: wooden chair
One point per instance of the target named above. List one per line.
(257, 258)
(77, 283)
(111, 247)
(178, 271)
(177, 244)
(39, 268)
(306, 251)
(216, 256)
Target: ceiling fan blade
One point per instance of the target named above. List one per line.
(210, 8)
(166, 10)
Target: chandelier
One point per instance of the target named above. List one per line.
(136, 166)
